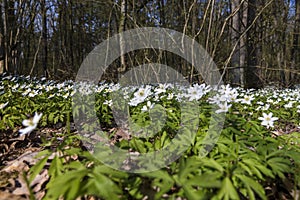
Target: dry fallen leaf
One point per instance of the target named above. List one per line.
(8, 196)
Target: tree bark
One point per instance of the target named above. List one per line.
(122, 27)
(4, 8)
(252, 78)
(2, 55)
(243, 41)
(296, 40)
(44, 36)
(235, 35)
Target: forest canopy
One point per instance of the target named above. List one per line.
(253, 42)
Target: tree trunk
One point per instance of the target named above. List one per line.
(243, 41)
(122, 27)
(252, 78)
(5, 34)
(296, 42)
(235, 34)
(2, 55)
(44, 36)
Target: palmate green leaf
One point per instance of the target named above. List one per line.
(206, 180)
(67, 185)
(227, 191)
(56, 118)
(265, 171)
(294, 154)
(56, 167)
(162, 180)
(100, 185)
(276, 153)
(134, 187)
(190, 182)
(232, 130)
(249, 160)
(37, 168)
(103, 169)
(245, 168)
(187, 166)
(191, 193)
(74, 165)
(211, 163)
(51, 117)
(251, 184)
(138, 145)
(252, 164)
(164, 139)
(280, 165)
(157, 144)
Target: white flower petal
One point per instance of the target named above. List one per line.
(27, 122)
(37, 118)
(26, 130)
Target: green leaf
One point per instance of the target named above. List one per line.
(51, 117)
(138, 144)
(227, 190)
(280, 166)
(67, 185)
(251, 163)
(212, 164)
(254, 185)
(100, 185)
(207, 180)
(37, 168)
(56, 167)
(162, 180)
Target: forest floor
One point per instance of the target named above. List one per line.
(17, 156)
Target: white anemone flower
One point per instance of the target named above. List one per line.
(3, 105)
(162, 88)
(266, 107)
(289, 105)
(194, 93)
(298, 107)
(247, 99)
(147, 107)
(268, 120)
(232, 95)
(143, 93)
(225, 89)
(223, 107)
(108, 102)
(140, 95)
(218, 98)
(30, 123)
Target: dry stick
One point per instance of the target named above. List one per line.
(222, 31)
(242, 35)
(200, 30)
(187, 17)
(209, 31)
(137, 26)
(204, 18)
(220, 35)
(35, 55)
(108, 35)
(209, 24)
(184, 31)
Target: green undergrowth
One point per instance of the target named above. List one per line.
(248, 160)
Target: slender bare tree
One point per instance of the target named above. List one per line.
(122, 27)
(252, 76)
(235, 35)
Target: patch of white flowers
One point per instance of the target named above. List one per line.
(226, 98)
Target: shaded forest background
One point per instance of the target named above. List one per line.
(253, 42)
